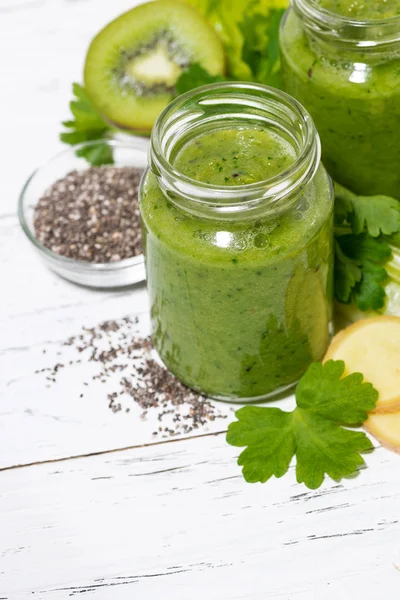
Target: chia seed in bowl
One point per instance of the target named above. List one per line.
(84, 221)
(92, 215)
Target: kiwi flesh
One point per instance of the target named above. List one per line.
(132, 65)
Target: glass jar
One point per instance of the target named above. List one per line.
(347, 75)
(239, 276)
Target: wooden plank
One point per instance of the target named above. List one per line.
(178, 521)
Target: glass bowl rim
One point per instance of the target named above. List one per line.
(137, 144)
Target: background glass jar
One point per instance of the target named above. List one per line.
(239, 276)
(347, 75)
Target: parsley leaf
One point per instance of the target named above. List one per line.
(364, 247)
(323, 392)
(87, 125)
(326, 448)
(269, 437)
(101, 154)
(364, 225)
(347, 274)
(375, 214)
(359, 270)
(369, 292)
(312, 432)
(193, 77)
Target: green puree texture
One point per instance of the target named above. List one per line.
(353, 97)
(239, 309)
(235, 157)
(362, 9)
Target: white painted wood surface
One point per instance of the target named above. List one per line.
(177, 521)
(171, 520)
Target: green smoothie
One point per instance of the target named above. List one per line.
(239, 308)
(235, 157)
(353, 96)
(362, 10)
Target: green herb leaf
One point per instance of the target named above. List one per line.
(260, 49)
(101, 154)
(347, 274)
(193, 77)
(87, 125)
(343, 400)
(363, 227)
(233, 23)
(369, 293)
(324, 448)
(364, 247)
(253, 28)
(359, 271)
(374, 214)
(269, 439)
(312, 431)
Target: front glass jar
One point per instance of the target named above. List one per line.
(341, 60)
(237, 220)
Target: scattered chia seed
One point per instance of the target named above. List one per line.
(117, 349)
(92, 215)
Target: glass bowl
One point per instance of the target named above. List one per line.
(132, 152)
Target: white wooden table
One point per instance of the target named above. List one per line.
(90, 503)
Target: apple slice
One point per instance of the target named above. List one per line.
(372, 347)
(386, 429)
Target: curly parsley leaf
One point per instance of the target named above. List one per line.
(375, 214)
(312, 432)
(87, 125)
(193, 77)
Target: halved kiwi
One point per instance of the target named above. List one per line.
(132, 65)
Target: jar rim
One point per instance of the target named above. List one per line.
(241, 198)
(363, 33)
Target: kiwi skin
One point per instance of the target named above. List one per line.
(123, 41)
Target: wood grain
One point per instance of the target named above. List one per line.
(171, 520)
(42, 420)
(178, 521)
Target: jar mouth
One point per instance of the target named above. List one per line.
(235, 104)
(365, 33)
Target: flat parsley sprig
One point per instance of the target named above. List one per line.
(363, 226)
(313, 431)
(87, 125)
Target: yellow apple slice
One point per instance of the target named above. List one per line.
(386, 429)
(372, 347)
